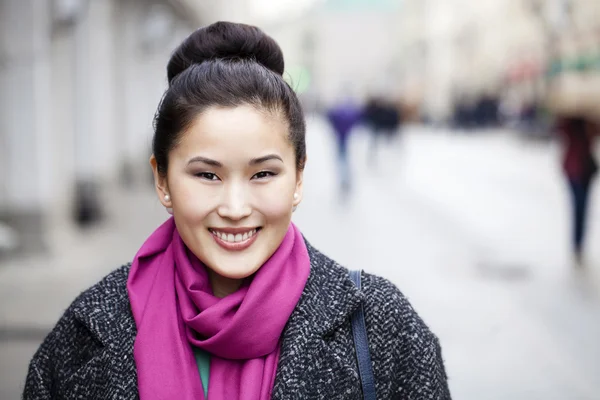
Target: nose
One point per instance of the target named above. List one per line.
(234, 204)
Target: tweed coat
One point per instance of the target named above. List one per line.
(89, 353)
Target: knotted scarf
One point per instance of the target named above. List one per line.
(174, 308)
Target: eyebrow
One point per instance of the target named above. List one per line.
(217, 164)
(205, 160)
(263, 159)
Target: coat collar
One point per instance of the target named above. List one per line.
(104, 310)
(328, 300)
(329, 297)
(308, 367)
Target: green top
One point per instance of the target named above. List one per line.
(203, 362)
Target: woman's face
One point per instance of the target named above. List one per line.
(231, 181)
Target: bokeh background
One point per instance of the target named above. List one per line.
(462, 202)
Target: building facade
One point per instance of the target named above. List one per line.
(80, 81)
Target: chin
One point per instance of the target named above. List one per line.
(233, 270)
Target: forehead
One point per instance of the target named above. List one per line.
(236, 131)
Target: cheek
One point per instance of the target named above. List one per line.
(274, 206)
(191, 200)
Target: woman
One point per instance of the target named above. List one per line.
(226, 300)
(579, 167)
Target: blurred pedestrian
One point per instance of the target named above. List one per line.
(580, 167)
(226, 300)
(343, 117)
(383, 119)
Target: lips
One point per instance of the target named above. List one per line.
(235, 239)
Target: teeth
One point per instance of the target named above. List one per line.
(229, 237)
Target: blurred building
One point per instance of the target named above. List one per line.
(460, 50)
(79, 84)
(439, 53)
(348, 47)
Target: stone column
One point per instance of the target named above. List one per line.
(87, 206)
(24, 129)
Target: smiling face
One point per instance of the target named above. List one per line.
(231, 182)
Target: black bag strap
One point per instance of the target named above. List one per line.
(361, 344)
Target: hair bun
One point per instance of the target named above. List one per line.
(226, 40)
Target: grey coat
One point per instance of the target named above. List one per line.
(89, 354)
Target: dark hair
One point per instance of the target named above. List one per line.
(227, 65)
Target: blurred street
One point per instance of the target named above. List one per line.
(472, 227)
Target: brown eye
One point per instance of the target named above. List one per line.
(209, 176)
(263, 175)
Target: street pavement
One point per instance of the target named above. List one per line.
(472, 227)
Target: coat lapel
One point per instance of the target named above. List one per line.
(110, 374)
(308, 367)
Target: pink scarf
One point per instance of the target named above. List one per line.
(173, 308)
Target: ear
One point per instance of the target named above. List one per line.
(299, 185)
(160, 183)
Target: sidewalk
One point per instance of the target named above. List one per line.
(43, 286)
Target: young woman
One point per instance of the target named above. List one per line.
(577, 136)
(226, 300)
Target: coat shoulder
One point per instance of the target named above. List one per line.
(383, 300)
(73, 342)
(406, 354)
(386, 302)
(109, 295)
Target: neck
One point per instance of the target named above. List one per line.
(222, 286)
